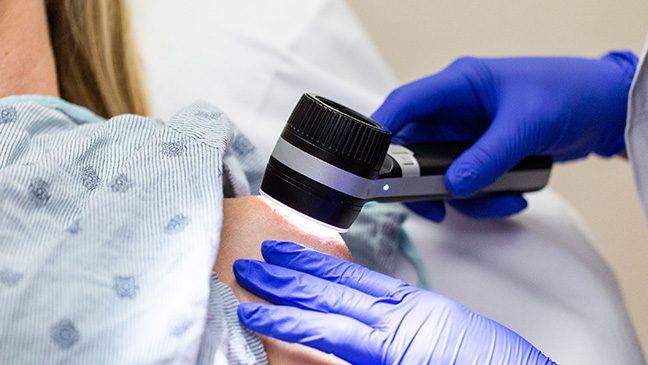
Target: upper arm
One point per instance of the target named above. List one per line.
(246, 223)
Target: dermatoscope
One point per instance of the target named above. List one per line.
(331, 160)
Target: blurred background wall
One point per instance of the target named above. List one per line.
(419, 37)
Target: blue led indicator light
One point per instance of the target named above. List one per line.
(386, 187)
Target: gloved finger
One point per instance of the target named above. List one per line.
(432, 210)
(424, 98)
(344, 337)
(327, 267)
(501, 147)
(441, 129)
(491, 207)
(289, 287)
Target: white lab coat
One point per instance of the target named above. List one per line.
(637, 129)
(538, 273)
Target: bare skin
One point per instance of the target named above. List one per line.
(27, 63)
(27, 66)
(246, 223)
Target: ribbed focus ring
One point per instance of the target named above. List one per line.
(339, 130)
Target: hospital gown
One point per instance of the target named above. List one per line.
(109, 230)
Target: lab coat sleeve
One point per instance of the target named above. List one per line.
(637, 129)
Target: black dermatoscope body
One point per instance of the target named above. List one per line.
(331, 160)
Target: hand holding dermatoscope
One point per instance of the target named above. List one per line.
(331, 160)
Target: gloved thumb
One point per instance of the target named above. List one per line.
(500, 148)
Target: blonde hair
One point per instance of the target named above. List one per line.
(96, 58)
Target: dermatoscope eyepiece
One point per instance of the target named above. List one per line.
(331, 160)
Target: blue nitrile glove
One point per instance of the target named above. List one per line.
(365, 317)
(513, 107)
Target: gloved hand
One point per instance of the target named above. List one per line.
(365, 317)
(513, 107)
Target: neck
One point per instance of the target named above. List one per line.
(27, 63)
